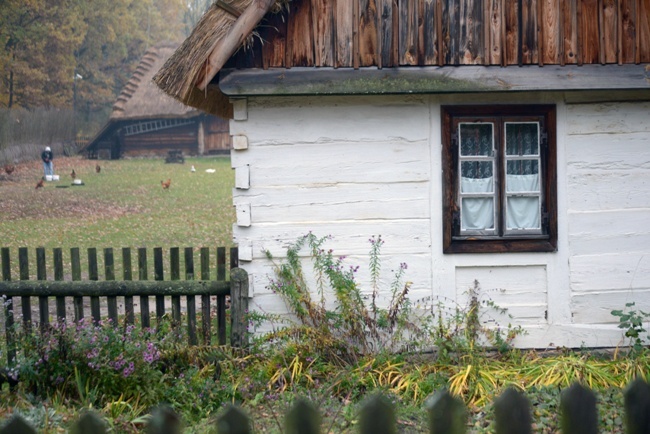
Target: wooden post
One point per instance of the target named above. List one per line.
(26, 302)
(57, 254)
(109, 270)
(93, 274)
(75, 261)
(191, 300)
(637, 407)
(164, 421)
(377, 416)
(144, 300)
(303, 418)
(43, 304)
(234, 257)
(9, 309)
(90, 422)
(578, 410)
(512, 413)
(158, 275)
(447, 415)
(239, 307)
(205, 299)
(221, 301)
(129, 310)
(175, 274)
(233, 421)
(17, 425)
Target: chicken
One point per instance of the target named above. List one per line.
(10, 169)
(166, 184)
(97, 168)
(192, 169)
(40, 183)
(73, 175)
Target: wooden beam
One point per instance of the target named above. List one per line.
(48, 288)
(226, 47)
(449, 79)
(228, 8)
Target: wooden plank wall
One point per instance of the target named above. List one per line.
(217, 134)
(159, 142)
(388, 33)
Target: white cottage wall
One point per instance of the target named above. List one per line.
(357, 167)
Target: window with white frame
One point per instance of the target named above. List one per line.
(499, 178)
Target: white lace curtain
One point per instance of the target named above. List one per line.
(522, 212)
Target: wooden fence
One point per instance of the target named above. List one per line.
(102, 296)
(445, 414)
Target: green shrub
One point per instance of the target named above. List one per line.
(352, 327)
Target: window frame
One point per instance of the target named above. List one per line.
(502, 240)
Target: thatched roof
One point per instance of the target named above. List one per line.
(179, 76)
(141, 98)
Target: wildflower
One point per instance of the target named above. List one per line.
(128, 370)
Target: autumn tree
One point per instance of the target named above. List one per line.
(45, 44)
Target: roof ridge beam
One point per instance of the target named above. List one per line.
(226, 47)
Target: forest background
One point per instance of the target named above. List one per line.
(69, 59)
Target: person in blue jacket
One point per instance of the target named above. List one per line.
(47, 158)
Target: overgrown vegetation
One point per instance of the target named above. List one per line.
(632, 320)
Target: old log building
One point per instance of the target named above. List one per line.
(147, 122)
(502, 145)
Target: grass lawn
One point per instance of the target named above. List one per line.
(122, 206)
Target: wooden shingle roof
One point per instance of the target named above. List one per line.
(347, 46)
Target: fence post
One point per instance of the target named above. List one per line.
(233, 421)
(17, 425)
(9, 309)
(190, 299)
(75, 266)
(43, 303)
(158, 270)
(303, 418)
(512, 413)
(57, 254)
(205, 299)
(447, 415)
(637, 407)
(93, 274)
(221, 300)
(164, 421)
(129, 310)
(109, 274)
(239, 307)
(26, 302)
(377, 416)
(145, 317)
(578, 410)
(90, 422)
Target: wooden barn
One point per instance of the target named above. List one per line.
(497, 143)
(147, 122)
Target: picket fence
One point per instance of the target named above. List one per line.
(102, 296)
(446, 415)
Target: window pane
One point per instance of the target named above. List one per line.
(476, 139)
(522, 138)
(523, 213)
(478, 171)
(522, 175)
(477, 213)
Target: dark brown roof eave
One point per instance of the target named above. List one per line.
(432, 80)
